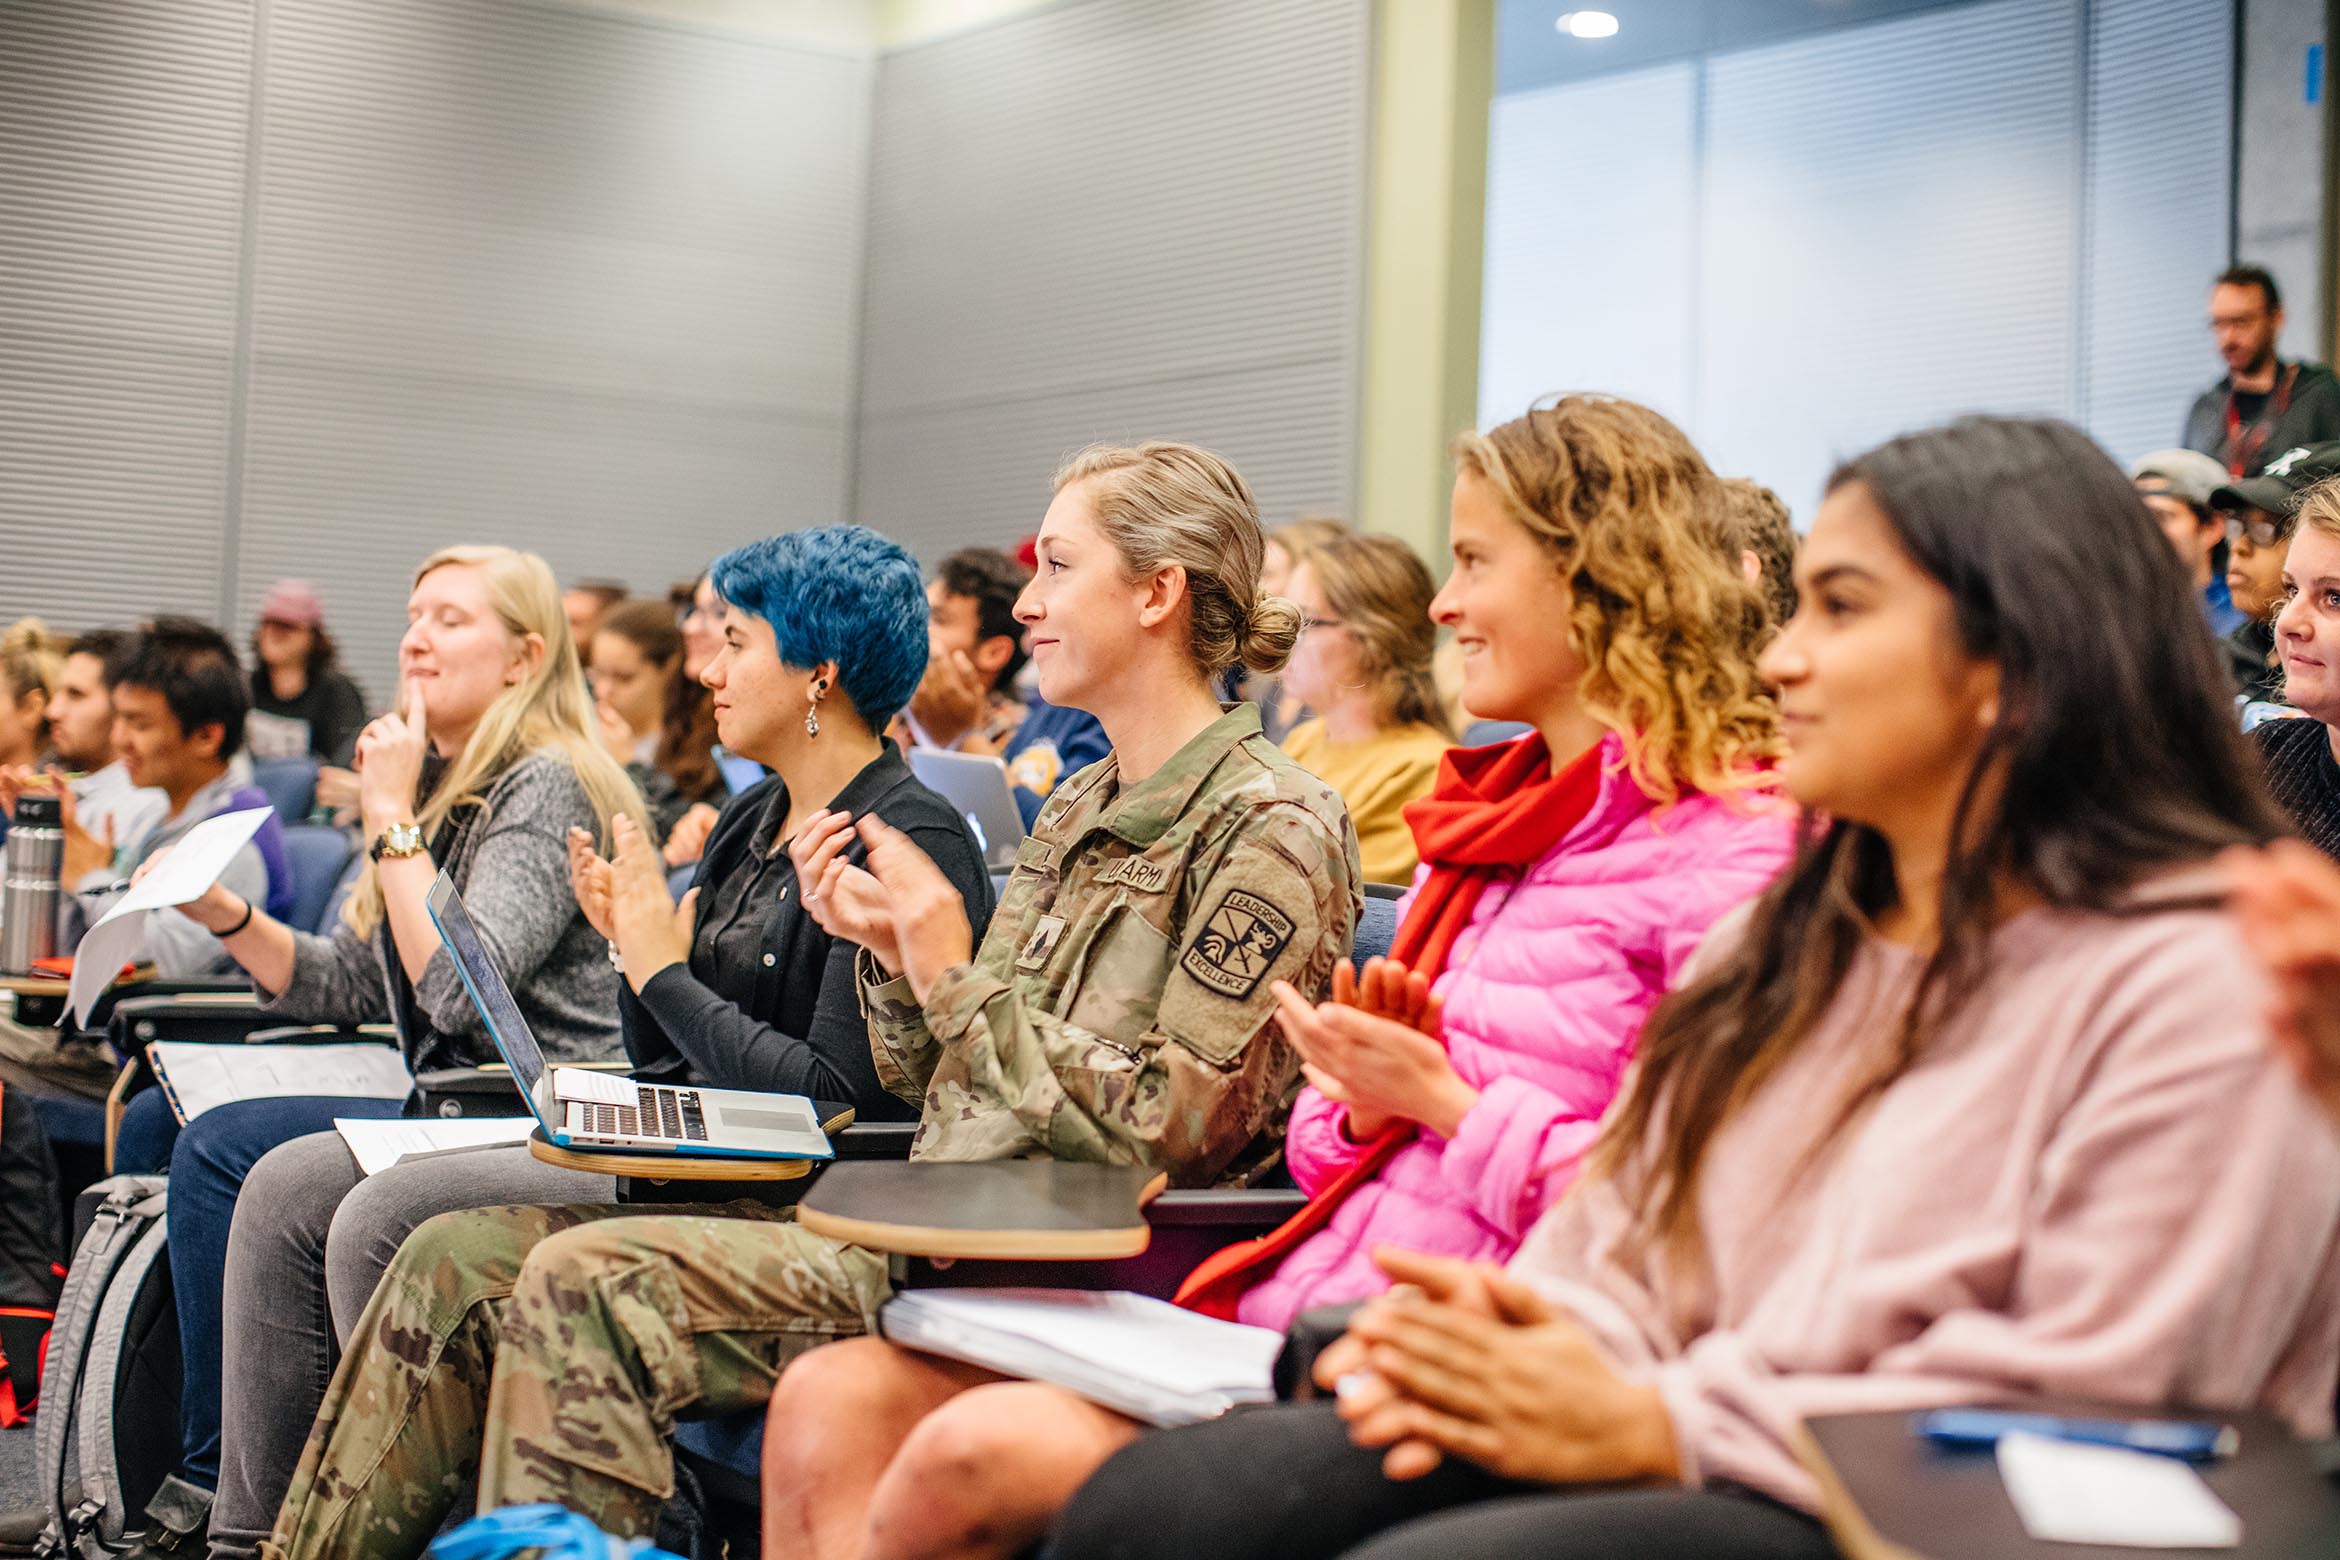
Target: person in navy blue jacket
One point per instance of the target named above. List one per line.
(966, 702)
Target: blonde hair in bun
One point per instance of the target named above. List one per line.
(1162, 503)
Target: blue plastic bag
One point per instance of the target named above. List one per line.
(554, 1532)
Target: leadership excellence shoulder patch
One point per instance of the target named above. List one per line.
(1238, 944)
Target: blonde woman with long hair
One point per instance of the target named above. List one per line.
(487, 763)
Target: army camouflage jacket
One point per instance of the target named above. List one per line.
(1118, 1009)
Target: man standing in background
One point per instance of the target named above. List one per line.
(2264, 405)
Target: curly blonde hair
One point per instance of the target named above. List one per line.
(1668, 634)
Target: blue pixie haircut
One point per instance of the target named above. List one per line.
(837, 593)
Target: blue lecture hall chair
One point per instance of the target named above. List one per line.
(291, 785)
(1479, 733)
(319, 857)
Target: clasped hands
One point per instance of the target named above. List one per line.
(1459, 1359)
(625, 899)
(1373, 1046)
(900, 906)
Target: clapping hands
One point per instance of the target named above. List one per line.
(626, 900)
(900, 906)
(2286, 899)
(1374, 1047)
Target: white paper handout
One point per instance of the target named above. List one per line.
(1134, 1354)
(2067, 1493)
(199, 1077)
(377, 1144)
(193, 865)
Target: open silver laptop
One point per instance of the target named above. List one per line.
(977, 785)
(581, 1109)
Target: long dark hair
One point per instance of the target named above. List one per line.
(324, 656)
(686, 728)
(2116, 755)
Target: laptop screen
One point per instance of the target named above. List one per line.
(485, 982)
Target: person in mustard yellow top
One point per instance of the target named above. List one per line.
(1363, 665)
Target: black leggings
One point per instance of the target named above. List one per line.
(1283, 1483)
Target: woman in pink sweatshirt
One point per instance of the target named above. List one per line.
(1566, 879)
(1976, 1102)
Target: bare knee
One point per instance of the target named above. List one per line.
(826, 1397)
(966, 1444)
(985, 1472)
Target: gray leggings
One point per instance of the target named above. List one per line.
(309, 1244)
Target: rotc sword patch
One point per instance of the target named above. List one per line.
(1238, 944)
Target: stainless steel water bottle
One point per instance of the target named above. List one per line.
(28, 884)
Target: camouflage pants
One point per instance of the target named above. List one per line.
(550, 1350)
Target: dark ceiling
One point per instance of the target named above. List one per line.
(1531, 52)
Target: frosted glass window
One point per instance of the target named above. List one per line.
(1801, 249)
(1590, 229)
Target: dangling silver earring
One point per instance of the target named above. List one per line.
(812, 718)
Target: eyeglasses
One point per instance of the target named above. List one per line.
(2258, 530)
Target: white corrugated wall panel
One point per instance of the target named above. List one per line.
(525, 273)
(2160, 171)
(1112, 219)
(121, 176)
(1891, 231)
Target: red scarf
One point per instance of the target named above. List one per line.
(1494, 811)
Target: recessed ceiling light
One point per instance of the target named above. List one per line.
(1587, 24)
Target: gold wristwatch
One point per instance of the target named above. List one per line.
(400, 839)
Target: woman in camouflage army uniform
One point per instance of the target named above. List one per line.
(1118, 1009)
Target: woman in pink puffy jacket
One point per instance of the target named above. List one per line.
(1565, 879)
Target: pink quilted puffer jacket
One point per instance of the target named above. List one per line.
(1544, 997)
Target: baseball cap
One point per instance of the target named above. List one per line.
(292, 601)
(2280, 483)
(2187, 474)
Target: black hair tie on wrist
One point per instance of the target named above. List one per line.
(239, 926)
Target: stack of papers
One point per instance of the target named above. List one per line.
(1133, 1354)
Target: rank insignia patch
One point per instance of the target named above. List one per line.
(1238, 944)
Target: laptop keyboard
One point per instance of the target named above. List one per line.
(672, 1114)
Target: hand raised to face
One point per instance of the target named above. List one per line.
(390, 754)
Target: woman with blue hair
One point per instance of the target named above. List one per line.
(824, 637)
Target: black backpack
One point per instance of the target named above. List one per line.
(32, 1254)
(108, 1431)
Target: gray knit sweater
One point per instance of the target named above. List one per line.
(511, 865)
